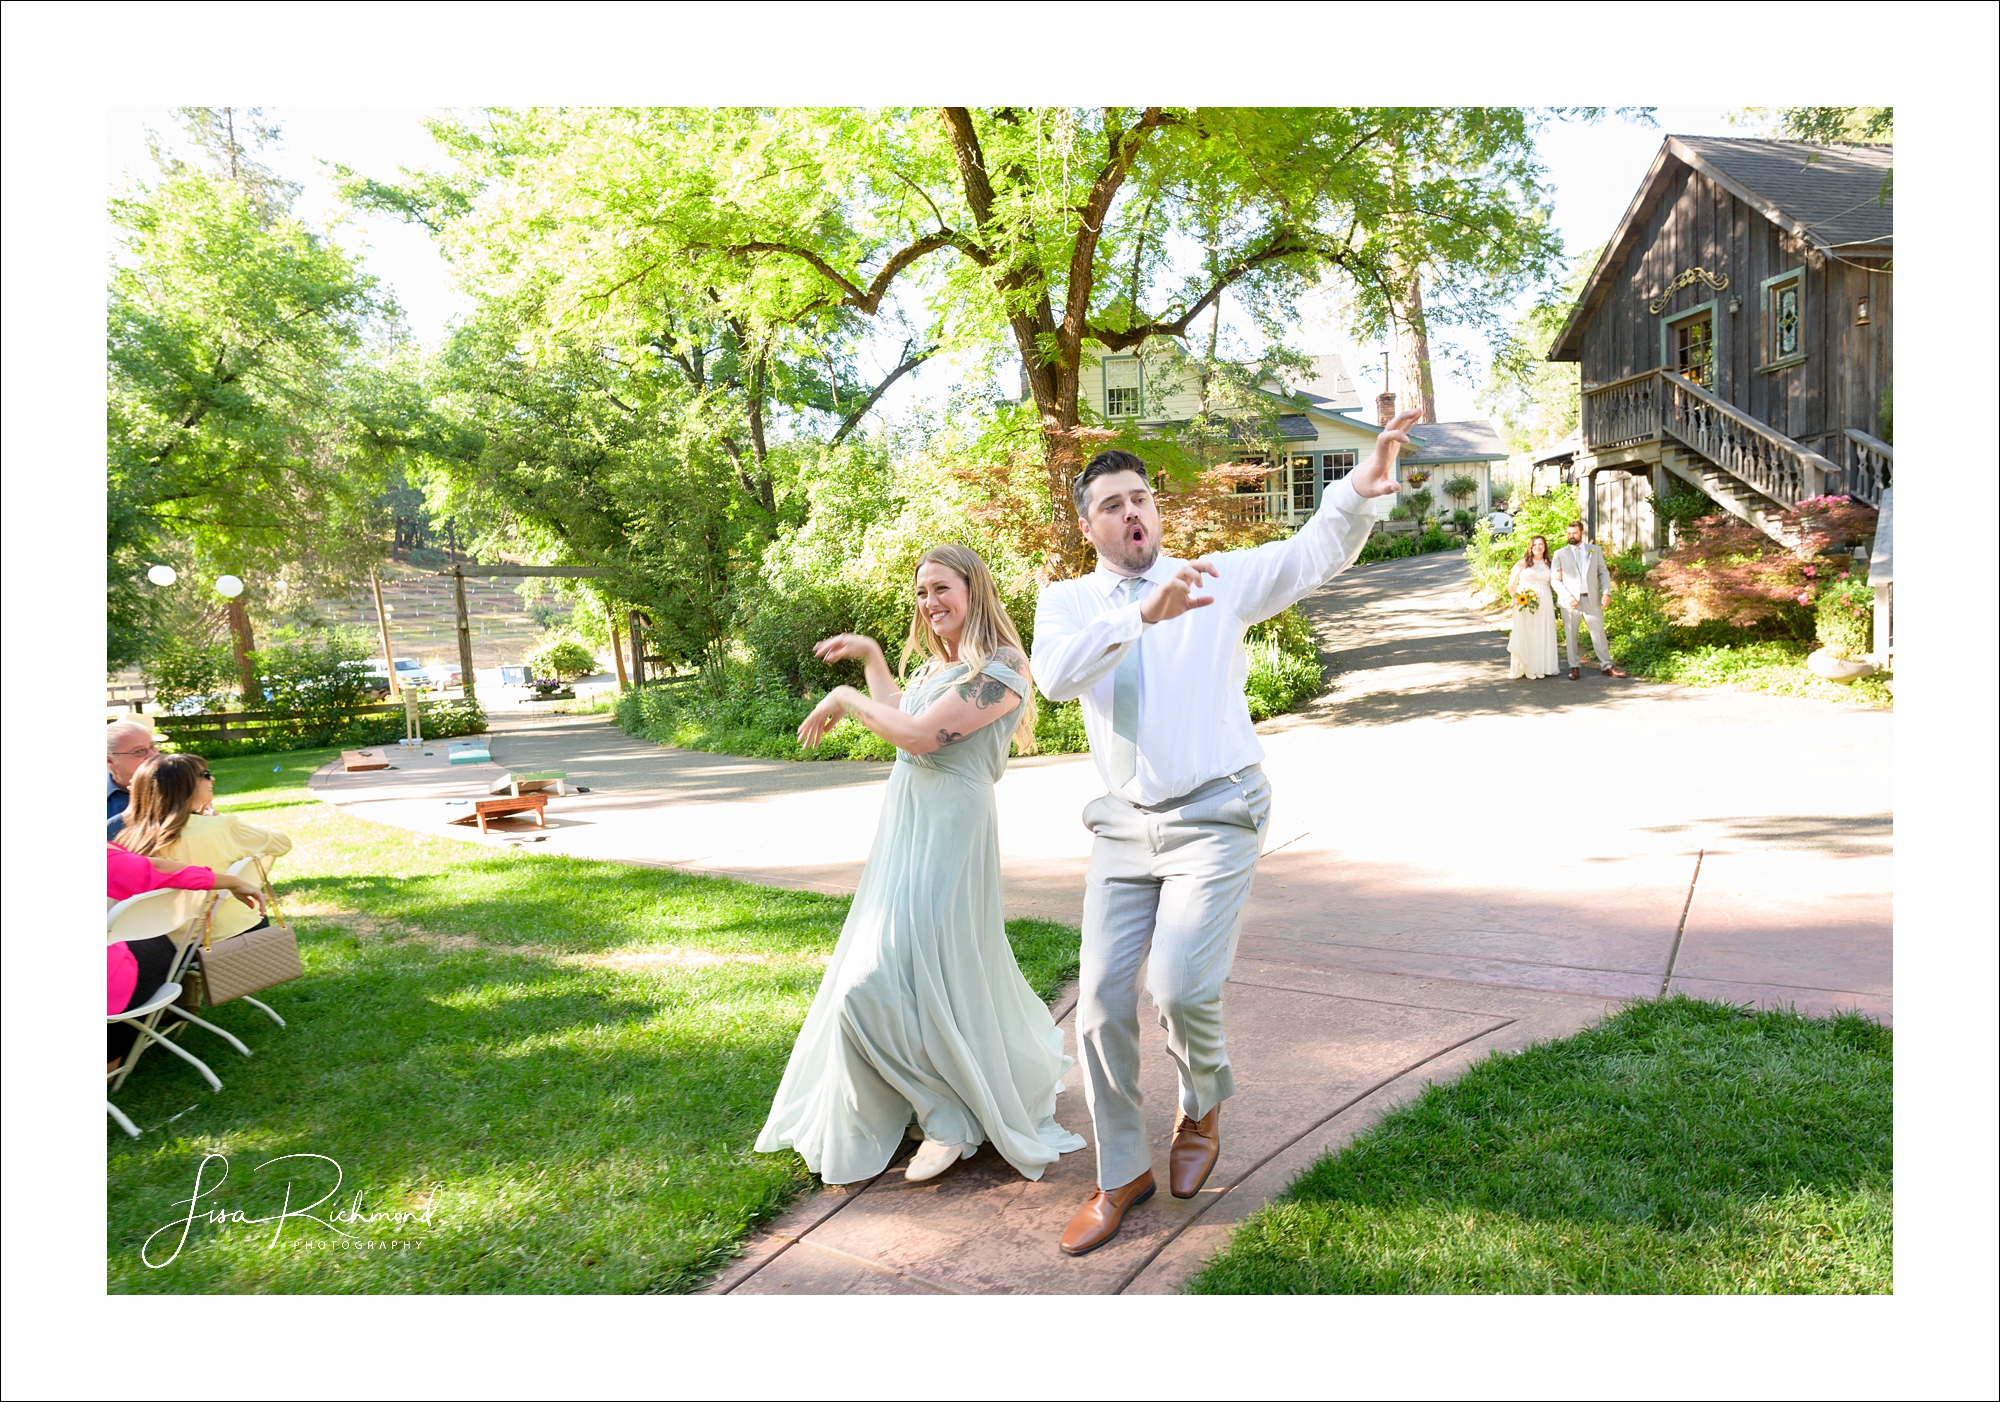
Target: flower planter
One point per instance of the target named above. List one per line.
(1838, 669)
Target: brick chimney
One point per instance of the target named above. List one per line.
(1385, 407)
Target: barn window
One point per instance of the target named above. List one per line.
(1121, 387)
(1784, 316)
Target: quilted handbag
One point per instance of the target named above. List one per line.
(252, 961)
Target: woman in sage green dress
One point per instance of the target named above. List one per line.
(923, 1014)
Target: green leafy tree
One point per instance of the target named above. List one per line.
(1537, 401)
(563, 658)
(236, 437)
(745, 246)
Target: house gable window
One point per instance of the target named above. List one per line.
(1785, 319)
(1687, 344)
(1334, 466)
(1121, 387)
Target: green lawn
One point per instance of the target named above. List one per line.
(566, 1061)
(1681, 1147)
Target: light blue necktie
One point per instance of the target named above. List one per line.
(1125, 702)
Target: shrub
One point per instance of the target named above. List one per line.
(189, 671)
(1844, 617)
(1462, 519)
(1384, 546)
(1682, 503)
(1399, 512)
(1628, 566)
(1726, 570)
(1290, 630)
(441, 720)
(1059, 728)
(1434, 538)
(1492, 557)
(321, 677)
(1420, 503)
(1278, 681)
(562, 658)
(1462, 487)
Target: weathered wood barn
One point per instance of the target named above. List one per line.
(1736, 334)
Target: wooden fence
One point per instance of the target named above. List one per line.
(221, 726)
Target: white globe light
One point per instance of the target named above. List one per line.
(229, 586)
(162, 575)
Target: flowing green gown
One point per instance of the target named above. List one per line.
(923, 1012)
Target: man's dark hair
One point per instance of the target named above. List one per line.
(1103, 465)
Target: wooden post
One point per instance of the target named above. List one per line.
(245, 644)
(617, 645)
(382, 622)
(638, 648)
(464, 635)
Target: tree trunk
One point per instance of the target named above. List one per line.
(244, 644)
(1413, 349)
(617, 650)
(465, 680)
(382, 623)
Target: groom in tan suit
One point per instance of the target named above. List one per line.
(1582, 580)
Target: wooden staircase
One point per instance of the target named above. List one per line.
(1747, 467)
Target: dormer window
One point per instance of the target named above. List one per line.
(1121, 387)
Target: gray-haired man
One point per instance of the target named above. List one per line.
(1160, 669)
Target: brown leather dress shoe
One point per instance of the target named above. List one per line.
(1099, 1219)
(1613, 672)
(1575, 672)
(1197, 1143)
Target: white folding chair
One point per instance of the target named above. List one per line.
(144, 916)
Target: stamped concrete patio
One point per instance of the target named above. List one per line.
(1458, 865)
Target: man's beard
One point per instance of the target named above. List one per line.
(1133, 559)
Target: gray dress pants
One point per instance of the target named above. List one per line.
(1573, 623)
(1165, 892)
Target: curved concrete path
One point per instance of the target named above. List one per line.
(1458, 864)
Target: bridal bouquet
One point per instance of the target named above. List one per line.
(1527, 600)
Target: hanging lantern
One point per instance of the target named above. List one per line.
(229, 586)
(162, 575)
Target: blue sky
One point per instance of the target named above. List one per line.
(1594, 169)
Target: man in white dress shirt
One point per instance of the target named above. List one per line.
(1582, 579)
(1160, 668)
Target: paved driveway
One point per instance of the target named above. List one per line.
(1458, 864)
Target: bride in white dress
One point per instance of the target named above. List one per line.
(1531, 652)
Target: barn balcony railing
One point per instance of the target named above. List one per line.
(1622, 413)
(1867, 467)
(1660, 404)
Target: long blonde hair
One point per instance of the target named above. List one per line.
(988, 628)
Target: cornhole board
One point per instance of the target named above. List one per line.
(467, 754)
(545, 781)
(484, 809)
(360, 761)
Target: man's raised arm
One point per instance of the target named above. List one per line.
(1274, 576)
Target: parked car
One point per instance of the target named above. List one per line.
(441, 675)
(409, 672)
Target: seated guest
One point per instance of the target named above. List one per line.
(128, 745)
(172, 817)
(135, 969)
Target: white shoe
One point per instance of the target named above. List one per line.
(931, 1159)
